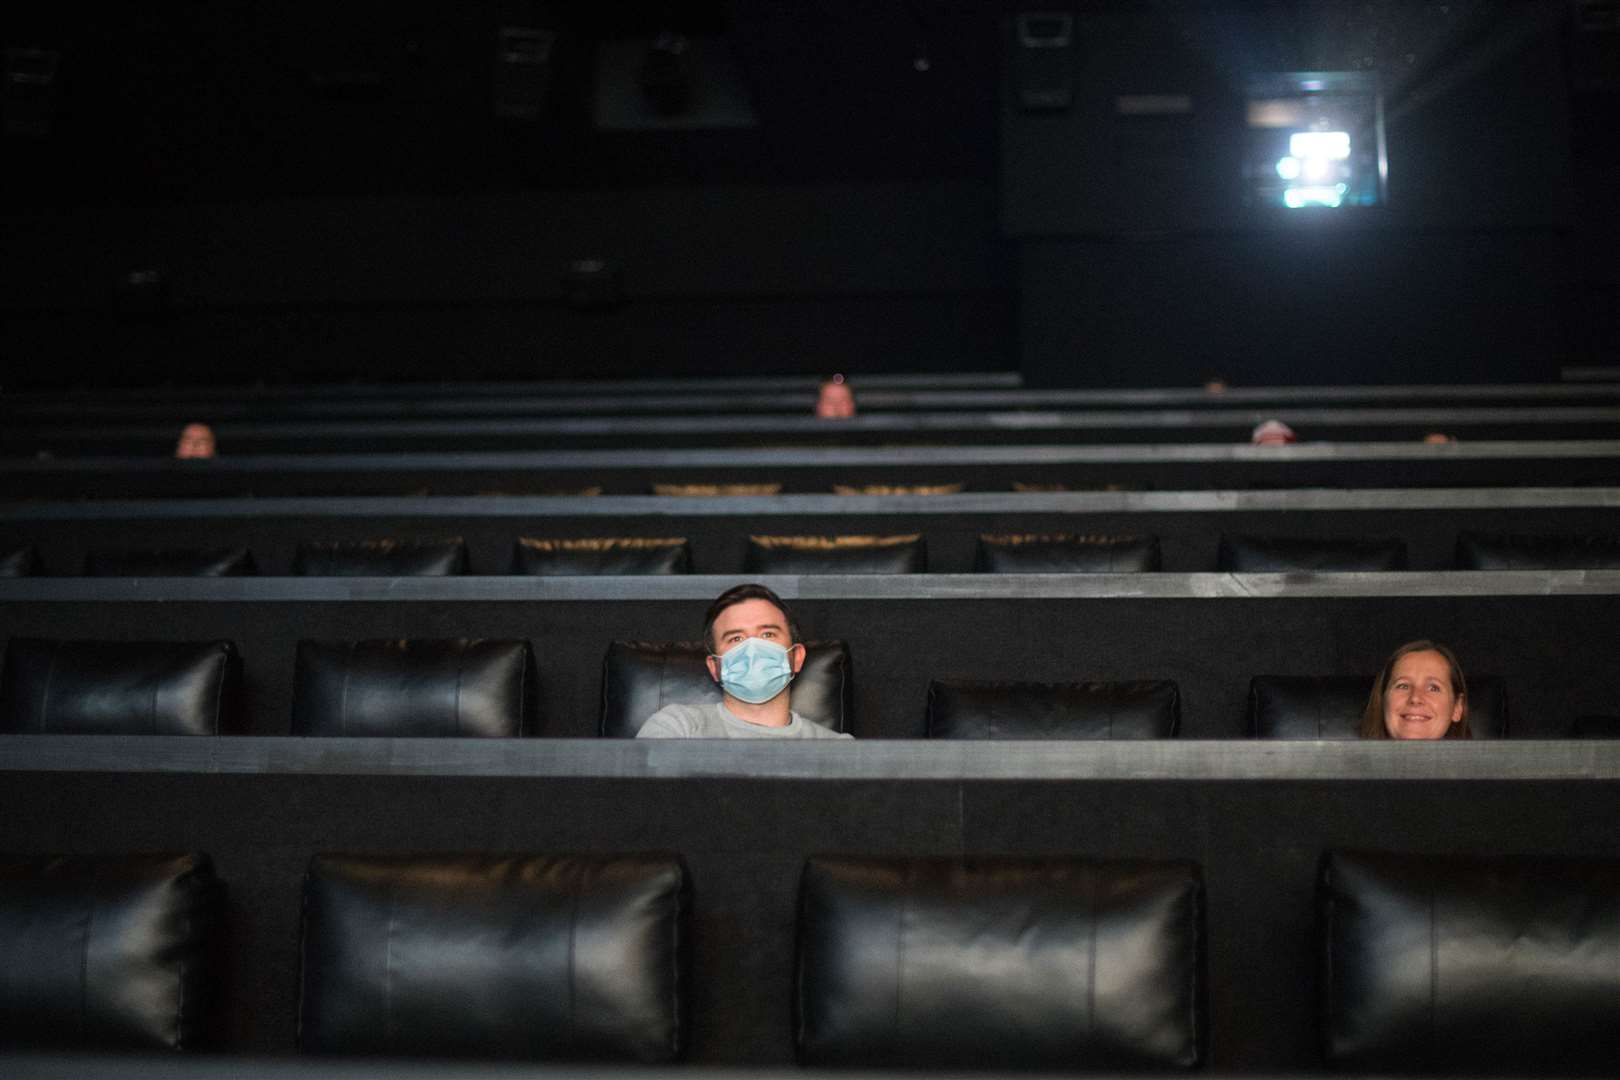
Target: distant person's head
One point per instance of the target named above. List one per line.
(1439, 438)
(196, 441)
(1215, 384)
(835, 400)
(753, 643)
(1419, 694)
(1272, 433)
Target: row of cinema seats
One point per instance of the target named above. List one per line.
(924, 427)
(902, 554)
(488, 688)
(751, 394)
(1057, 964)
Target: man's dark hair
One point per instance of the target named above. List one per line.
(736, 595)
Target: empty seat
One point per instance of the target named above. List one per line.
(1595, 727)
(381, 558)
(1037, 487)
(546, 957)
(1053, 964)
(960, 709)
(836, 555)
(1330, 706)
(107, 952)
(120, 687)
(1485, 551)
(641, 677)
(421, 688)
(602, 555)
(19, 562)
(711, 491)
(1284, 554)
(590, 491)
(1066, 553)
(1458, 965)
(897, 489)
(169, 562)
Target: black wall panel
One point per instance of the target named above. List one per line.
(1144, 264)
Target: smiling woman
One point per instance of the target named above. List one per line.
(1419, 694)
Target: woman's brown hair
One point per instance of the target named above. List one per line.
(1372, 718)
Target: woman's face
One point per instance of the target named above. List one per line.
(1420, 702)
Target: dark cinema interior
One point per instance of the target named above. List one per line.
(1178, 441)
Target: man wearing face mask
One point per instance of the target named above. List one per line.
(754, 653)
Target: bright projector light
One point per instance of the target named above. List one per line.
(1296, 197)
(1333, 145)
(1314, 139)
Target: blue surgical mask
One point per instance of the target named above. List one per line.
(755, 670)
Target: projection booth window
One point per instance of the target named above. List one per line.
(1315, 139)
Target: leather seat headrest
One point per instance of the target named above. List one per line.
(897, 489)
(1303, 554)
(416, 688)
(960, 709)
(1486, 551)
(1459, 965)
(1595, 727)
(1066, 553)
(602, 555)
(641, 677)
(381, 558)
(715, 491)
(999, 963)
(120, 687)
(169, 562)
(19, 562)
(1330, 706)
(836, 555)
(108, 952)
(542, 957)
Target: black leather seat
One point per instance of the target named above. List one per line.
(960, 709)
(19, 562)
(120, 687)
(601, 555)
(1289, 554)
(381, 558)
(836, 555)
(1330, 706)
(715, 491)
(107, 952)
(1052, 964)
(1455, 965)
(455, 687)
(641, 677)
(169, 562)
(1066, 553)
(1595, 727)
(897, 489)
(543, 957)
(1486, 551)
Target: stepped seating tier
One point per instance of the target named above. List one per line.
(1027, 466)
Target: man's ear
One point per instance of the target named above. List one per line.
(713, 664)
(798, 653)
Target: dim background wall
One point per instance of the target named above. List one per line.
(295, 191)
(1143, 265)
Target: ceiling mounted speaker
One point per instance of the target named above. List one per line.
(523, 71)
(1043, 60)
(29, 92)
